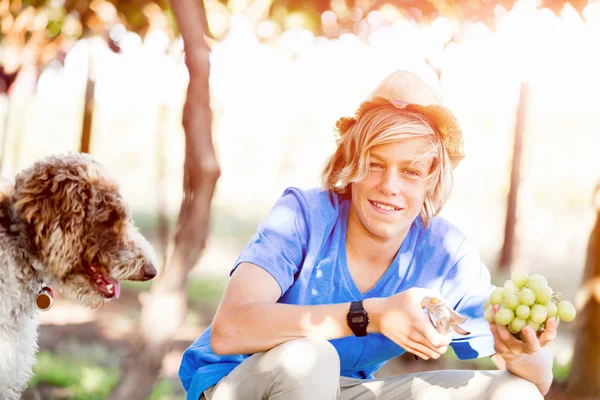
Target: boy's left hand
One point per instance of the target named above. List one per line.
(509, 346)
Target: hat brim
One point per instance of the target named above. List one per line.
(441, 117)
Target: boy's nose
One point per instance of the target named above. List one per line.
(390, 185)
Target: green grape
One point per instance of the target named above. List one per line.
(538, 313)
(527, 297)
(511, 301)
(526, 301)
(523, 311)
(488, 314)
(519, 278)
(543, 295)
(510, 288)
(504, 316)
(566, 311)
(517, 324)
(537, 282)
(534, 325)
(497, 296)
(552, 309)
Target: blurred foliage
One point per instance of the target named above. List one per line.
(335, 17)
(38, 32)
(206, 291)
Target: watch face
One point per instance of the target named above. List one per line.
(358, 319)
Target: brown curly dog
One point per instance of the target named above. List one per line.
(63, 223)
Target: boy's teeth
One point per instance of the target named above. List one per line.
(109, 288)
(384, 207)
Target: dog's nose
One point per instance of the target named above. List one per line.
(149, 271)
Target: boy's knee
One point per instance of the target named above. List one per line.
(309, 356)
(513, 387)
(310, 366)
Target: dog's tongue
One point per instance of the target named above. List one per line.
(102, 281)
(117, 289)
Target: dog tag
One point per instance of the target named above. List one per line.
(44, 299)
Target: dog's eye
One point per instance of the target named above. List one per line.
(112, 219)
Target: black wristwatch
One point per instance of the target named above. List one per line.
(358, 319)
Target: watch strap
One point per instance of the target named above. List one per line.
(356, 306)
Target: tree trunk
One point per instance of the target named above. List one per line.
(511, 237)
(88, 108)
(583, 377)
(165, 306)
(161, 179)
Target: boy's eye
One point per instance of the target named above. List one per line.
(375, 165)
(412, 172)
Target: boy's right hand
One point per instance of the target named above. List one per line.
(402, 320)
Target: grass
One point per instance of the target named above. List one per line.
(77, 379)
(165, 390)
(82, 380)
(87, 374)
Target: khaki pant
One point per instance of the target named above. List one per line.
(309, 368)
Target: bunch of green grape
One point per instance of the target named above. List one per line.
(526, 301)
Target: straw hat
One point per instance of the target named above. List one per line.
(405, 90)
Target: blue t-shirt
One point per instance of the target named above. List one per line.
(302, 244)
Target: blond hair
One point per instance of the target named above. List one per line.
(384, 124)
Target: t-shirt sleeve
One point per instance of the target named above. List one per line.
(281, 240)
(466, 288)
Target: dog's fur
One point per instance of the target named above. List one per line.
(64, 224)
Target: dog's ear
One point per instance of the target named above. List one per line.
(50, 200)
(105, 207)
